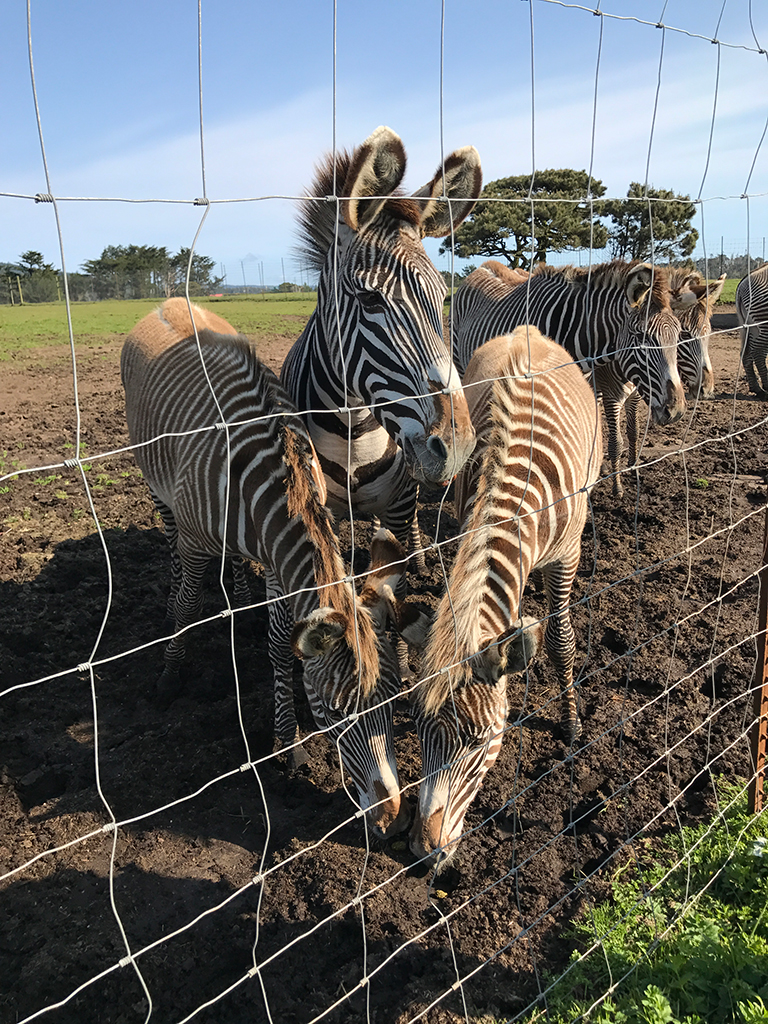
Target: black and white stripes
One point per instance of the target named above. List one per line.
(752, 310)
(371, 371)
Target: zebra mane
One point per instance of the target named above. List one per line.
(333, 592)
(319, 222)
(604, 276)
(455, 635)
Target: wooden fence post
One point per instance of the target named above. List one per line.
(759, 742)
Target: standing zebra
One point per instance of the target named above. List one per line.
(613, 311)
(254, 490)
(371, 371)
(692, 300)
(752, 310)
(522, 500)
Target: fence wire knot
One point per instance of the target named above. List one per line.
(84, 666)
(43, 197)
(71, 463)
(202, 202)
(126, 960)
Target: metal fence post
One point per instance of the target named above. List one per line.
(759, 744)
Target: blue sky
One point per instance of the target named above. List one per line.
(118, 93)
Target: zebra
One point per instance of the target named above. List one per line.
(254, 490)
(371, 372)
(752, 310)
(612, 311)
(692, 300)
(615, 318)
(522, 499)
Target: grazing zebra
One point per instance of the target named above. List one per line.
(255, 491)
(692, 300)
(752, 310)
(371, 371)
(522, 499)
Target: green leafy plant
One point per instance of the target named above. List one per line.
(684, 937)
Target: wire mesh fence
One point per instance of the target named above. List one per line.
(160, 859)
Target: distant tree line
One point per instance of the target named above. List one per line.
(121, 272)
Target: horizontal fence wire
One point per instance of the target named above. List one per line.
(169, 860)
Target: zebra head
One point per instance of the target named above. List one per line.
(351, 678)
(461, 728)
(648, 339)
(380, 298)
(693, 300)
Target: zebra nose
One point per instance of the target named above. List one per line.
(436, 447)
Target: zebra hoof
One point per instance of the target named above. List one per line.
(298, 758)
(168, 687)
(570, 731)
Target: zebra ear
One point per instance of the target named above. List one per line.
(314, 636)
(511, 651)
(638, 283)
(414, 623)
(688, 293)
(460, 179)
(376, 169)
(713, 290)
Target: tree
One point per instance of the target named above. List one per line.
(650, 224)
(552, 213)
(147, 271)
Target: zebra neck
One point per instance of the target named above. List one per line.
(483, 594)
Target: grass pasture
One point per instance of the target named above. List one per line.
(44, 324)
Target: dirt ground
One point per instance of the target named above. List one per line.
(667, 603)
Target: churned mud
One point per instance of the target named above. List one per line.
(667, 599)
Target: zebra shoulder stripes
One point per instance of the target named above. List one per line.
(752, 311)
(522, 500)
(371, 371)
(252, 490)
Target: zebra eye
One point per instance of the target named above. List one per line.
(370, 300)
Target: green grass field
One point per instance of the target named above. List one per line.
(35, 325)
(45, 324)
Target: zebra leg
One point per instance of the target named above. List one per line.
(282, 658)
(172, 537)
(612, 409)
(402, 519)
(240, 581)
(633, 408)
(759, 354)
(749, 362)
(187, 607)
(560, 642)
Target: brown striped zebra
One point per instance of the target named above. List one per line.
(237, 476)
(522, 500)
